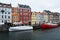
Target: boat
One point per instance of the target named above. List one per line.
(36, 26)
(1, 24)
(20, 28)
(48, 25)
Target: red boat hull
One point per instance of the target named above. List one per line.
(48, 26)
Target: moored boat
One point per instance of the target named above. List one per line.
(48, 25)
(20, 28)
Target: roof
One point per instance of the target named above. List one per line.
(23, 6)
(42, 13)
(5, 4)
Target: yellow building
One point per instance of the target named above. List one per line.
(33, 18)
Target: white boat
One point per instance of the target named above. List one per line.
(1, 23)
(18, 28)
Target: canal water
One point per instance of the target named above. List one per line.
(48, 34)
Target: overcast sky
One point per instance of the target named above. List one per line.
(37, 5)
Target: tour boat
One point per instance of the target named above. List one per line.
(1, 23)
(48, 25)
(18, 28)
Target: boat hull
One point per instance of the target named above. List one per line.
(48, 26)
(20, 28)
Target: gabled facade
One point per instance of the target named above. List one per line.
(33, 18)
(42, 17)
(5, 13)
(55, 17)
(45, 16)
(38, 20)
(25, 13)
(15, 15)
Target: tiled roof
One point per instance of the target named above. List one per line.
(42, 13)
(23, 6)
(5, 4)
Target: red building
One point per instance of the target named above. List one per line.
(25, 13)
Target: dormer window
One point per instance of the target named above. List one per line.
(2, 11)
(9, 5)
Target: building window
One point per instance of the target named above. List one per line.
(5, 13)
(8, 20)
(2, 16)
(2, 21)
(12, 11)
(5, 16)
(29, 11)
(14, 16)
(20, 10)
(8, 17)
(2, 11)
(8, 12)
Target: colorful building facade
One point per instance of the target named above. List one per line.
(5, 13)
(25, 14)
(45, 16)
(33, 18)
(55, 17)
(15, 15)
(42, 17)
(37, 17)
(50, 16)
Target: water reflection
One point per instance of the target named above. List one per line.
(23, 35)
(50, 34)
(4, 36)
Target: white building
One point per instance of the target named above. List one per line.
(45, 16)
(41, 17)
(5, 13)
(38, 18)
